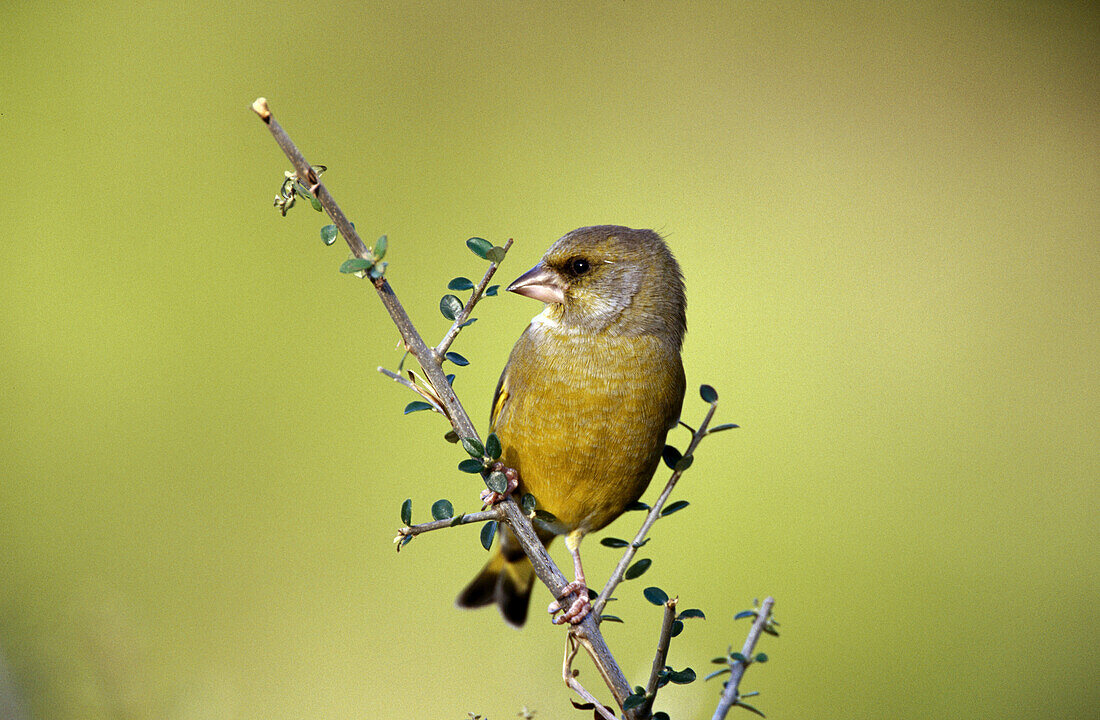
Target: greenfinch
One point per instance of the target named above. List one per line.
(589, 393)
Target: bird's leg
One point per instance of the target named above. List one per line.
(492, 498)
(581, 606)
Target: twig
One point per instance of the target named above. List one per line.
(663, 641)
(654, 513)
(571, 647)
(588, 630)
(422, 392)
(730, 695)
(476, 517)
(462, 317)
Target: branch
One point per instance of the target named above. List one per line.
(588, 631)
(654, 513)
(663, 641)
(570, 678)
(462, 317)
(730, 695)
(410, 531)
(428, 395)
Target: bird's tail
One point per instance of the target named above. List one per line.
(506, 580)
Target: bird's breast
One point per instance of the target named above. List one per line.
(585, 419)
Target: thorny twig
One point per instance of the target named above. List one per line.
(588, 632)
(409, 531)
(731, 695)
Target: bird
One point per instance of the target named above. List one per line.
(586, 400)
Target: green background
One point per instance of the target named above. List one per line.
(888, 216)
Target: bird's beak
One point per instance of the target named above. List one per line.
(540, 283)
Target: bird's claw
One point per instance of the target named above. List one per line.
(577, 610)
(489, 497)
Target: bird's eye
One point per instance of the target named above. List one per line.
(578, 266)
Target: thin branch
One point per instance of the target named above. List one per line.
(422, 392)
(576, 687)
(397, 378)
(571, 647)
(462, 317)
(654, 513)
(730, 695)
(663, 641)
(588, 630)
(465, 519)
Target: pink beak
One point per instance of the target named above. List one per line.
(540, 283)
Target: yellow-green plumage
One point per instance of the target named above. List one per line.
(589, 392)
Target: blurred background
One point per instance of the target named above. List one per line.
(888, 216)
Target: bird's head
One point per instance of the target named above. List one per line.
(609, 278)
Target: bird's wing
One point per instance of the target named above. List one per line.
(500, 397)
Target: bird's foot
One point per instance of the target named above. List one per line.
(489, 497)
(577, 610)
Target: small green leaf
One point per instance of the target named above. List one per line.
(407, 511)
(470, 465)
(492, 446)
(329, 233)
(750, 708)
(405, 541)
(637, 545)
(451, 379)
(474, 447)
(479, 246)
(677, 628)
(377, 270)
(610, 618)
(682, 677)
(708, 394)
(671, 456)
(675, 507)
(458, 520)
(720, 428)
(471, 321)
(354, 265)
(497, 482)
(684, 463)
(716, 673)
(638, 505)
(457, 359)
(450, 306)
(637, 569)
(496, 255)
(720, 660)
(528, 503)
(491, 290)
(416, 406)
(379, 249)
(488, 532)
(304, 192)
(655, 595)
(744, 614)
(612, 542)
(460, 283)
(451, 436)
(691, 613)
(660, 716)
(761, 658)
(546, 517)
(442, 510)
(633, 701)
(738, 657)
